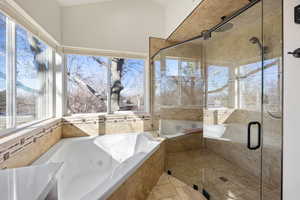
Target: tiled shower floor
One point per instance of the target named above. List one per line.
(223, 180)
(170, 188)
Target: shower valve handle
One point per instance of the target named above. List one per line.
(295, 53)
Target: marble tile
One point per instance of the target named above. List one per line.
(86, 125)
(140, 184)
(184, 143)
(170, 188)
(221, 178)
(35, 144)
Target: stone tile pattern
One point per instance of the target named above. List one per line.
(222, 179)
(170, 188)
(187, 142)
(25, 149)
(139, 185)
(204, 16)
(235, 150)
(155, 44)
(191, 114)
(77, 126)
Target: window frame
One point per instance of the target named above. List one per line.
(11, 65)
(108, 105)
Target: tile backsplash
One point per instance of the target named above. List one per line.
(21, 149)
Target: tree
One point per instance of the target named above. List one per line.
(120, 69)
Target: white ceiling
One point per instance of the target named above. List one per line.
(78, 2)
(81, 2)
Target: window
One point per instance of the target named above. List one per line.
(170, 82)
(33, 59)
(26, 87)
(272, 85)
(133, 81)
(156, 83)
(250, 85)
(101, 84)
(87, 83)
(181, 82)
(3, 115)
(217, 86)
(249, 79)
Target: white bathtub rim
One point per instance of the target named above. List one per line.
(120, 180)
(115, 184)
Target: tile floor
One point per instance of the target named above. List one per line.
(221, 178)
(170, 188)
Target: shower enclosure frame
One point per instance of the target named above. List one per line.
(206, 35)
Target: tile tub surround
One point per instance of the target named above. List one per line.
(98, 124)
(22, 148)
(139, 185)
(182, 143)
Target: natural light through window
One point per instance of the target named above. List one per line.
(180, 81)
(98, 84)
(26, 72)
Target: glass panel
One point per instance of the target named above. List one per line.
(156, 85)
(217, 86)
(243, 79)
(127, 85)
(133, 81)
(272, 100)
(32, 78)
(87, 84)
(191, 83)
(180, 114)
(249, 93)
(3, 114)
(234, 69)
(224, 168)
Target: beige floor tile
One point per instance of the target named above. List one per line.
(164, 191)
(170, 188)
(164, 179)
(221, 178)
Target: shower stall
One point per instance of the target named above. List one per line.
(217, 98)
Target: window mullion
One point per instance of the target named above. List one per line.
(11, 73)
(180, 81)
(109, 86)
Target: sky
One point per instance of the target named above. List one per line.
(27, 73)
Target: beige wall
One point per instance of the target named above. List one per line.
(19, 150)
(84, 125)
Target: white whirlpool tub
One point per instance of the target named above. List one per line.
(94, 167)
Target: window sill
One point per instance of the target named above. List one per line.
(34, 127)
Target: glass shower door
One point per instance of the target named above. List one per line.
(231, 164)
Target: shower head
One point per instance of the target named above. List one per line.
(255, 40)
(225, 27)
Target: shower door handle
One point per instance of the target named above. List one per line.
(249, 135)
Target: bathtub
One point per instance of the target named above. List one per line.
(94, 167)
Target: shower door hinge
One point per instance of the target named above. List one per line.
(206, 35)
